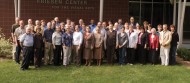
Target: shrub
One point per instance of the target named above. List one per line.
(5, 46)
(184, 53)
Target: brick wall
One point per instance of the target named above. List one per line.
(73, 9)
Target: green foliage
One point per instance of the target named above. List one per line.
(184, 53)
(5, 45)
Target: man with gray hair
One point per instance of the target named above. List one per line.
(165, 40)
(27, 42)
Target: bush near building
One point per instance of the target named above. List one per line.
(5, 46)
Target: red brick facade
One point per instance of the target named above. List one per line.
(73, 9)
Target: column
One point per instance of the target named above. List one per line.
(101, 10)
(181, 24)
(16, 8)
(19, 7)
(174, 12)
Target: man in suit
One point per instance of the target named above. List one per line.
(165, 40)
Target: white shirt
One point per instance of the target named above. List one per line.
(77, 38)
(133, 39)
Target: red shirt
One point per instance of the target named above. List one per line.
(153, 41)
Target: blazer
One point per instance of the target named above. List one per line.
(122, 40)
(144, 39)
(175, 39)
(155, 43)
(165, 38)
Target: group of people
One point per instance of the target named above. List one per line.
(63, 43)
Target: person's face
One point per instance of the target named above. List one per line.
(53, 22)
(159, 28)
(30, 21)
(131, 28)
(17, 20)
(43, 23)
(21, 23)
(138, 26)
(153, 31)
(123, 29)
(126, 26)
(164, 27)
(142, 30)
(172, 29)
(38, 30)
(77, 28)
(111, 27)
(57, 19)
(119, 21)
(104, 24)
(49, 25)
(37, 22)
(132, 20)
(99, 24)
(67, 28)
(68, 21)
(80, 22)
(28, 30)
(92, 21)
(87, 29)
(58, 29)
(98, 30)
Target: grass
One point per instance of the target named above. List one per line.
(11, 73)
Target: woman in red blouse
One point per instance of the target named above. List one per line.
(153, 45)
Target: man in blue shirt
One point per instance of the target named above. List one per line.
(48, 44)
(92, 25)
(27, 42)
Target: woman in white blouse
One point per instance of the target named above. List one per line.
(77, 42)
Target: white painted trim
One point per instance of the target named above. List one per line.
(101, 10)
(19, 7)
(16, 8)
(182, 20)
(174, 12)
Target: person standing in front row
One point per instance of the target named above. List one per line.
(77, 42)
(165, 40)
(153, 46)
(67, 39)
(110, 44)
(142, 45)
(56, 41)
(38, 48)
(98, 46)
(48, 57)
(122, 39)
(17, 35)
(132, 45)
(174, 43)
(27, 42)
(88, 45)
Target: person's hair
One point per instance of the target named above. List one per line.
(142, 28)
(172, 26)
(159, 25)
(153, 29)
(145, 22)
(88, 27)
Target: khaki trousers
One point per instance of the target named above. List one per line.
(67, 55)
(48, 57)
(164, 55)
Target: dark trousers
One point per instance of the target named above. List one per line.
(57, 55)
(117, 54)
(27, 51)
(38, 54)
(172, 59)
(141, 53)
(154, 57)
(32, 57)
(110, 54)
(122, 53)
(130, 55)
(18, 51)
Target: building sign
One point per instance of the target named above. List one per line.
(68, 4)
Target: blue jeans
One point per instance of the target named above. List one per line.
(173, 55)
(122, 52)
(18, 51)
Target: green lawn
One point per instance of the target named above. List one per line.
(11, 73)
